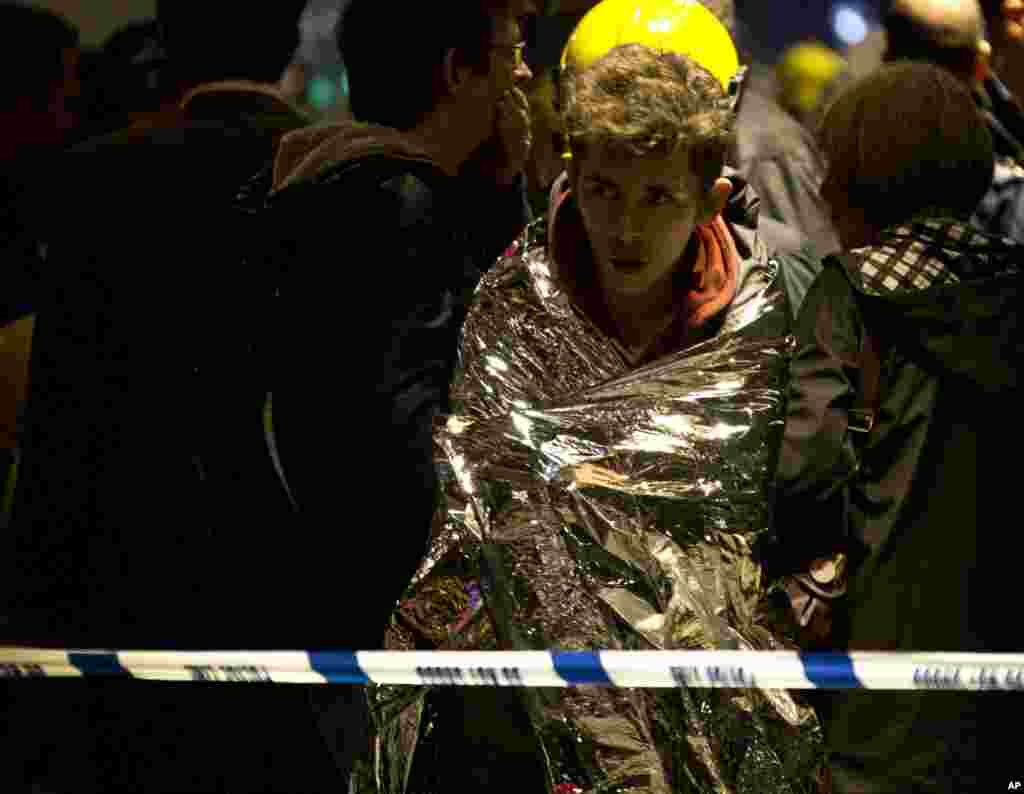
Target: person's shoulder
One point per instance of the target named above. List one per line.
(134, 155)
(410, 183)
(418, 193)
(386, 203)
(414, 189)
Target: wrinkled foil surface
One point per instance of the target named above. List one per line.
(589, 505)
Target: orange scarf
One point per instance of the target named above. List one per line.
(714, 276)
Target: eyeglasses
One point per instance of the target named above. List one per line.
(518, 51)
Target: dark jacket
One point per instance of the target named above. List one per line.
(942, 302)
(379, 254)
(143, 478)
(1001, 211)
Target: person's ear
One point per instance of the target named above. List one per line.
(716, 200)
(455, 75)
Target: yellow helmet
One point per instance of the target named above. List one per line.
(681, 26)
(805, 72)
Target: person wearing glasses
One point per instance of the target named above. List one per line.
(378, 231)
(495, 174)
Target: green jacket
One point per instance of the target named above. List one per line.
(941, 301)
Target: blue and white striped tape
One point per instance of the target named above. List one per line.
(640, 669)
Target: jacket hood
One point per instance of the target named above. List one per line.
(949, 290)
(306, 153)
(252, 105)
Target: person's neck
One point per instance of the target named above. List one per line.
(640, 319)
(438, 135)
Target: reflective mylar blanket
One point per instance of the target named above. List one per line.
(595, 506)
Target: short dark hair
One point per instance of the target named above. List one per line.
(228, 39)
(394, 66)
(910, 39)
(32, 44)
(909, 138)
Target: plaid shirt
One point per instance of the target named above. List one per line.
(918, 255)
(1001, 212)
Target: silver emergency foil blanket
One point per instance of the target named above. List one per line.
(593, 506)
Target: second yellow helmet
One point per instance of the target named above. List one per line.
(804, 74)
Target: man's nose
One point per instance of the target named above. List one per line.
(628, 228)
(522, 74)
(627, 235)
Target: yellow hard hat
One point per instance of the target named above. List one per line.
(805, 72)
(681, 26)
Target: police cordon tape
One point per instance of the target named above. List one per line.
(634, 669)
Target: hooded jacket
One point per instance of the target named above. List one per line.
(373, 253)
(941, 300)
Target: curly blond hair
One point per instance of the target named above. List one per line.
(638, 102)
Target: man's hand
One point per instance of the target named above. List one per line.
(513, 134)
(502, 157)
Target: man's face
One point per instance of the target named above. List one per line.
(507, 58)
(506, 70)
(639, 215)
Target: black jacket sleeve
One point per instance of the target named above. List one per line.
(366, 337)
(496, 216)
(21, 256)
(816, 453)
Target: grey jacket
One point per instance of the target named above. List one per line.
(780, 158)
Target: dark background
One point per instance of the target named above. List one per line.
(765, 28)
